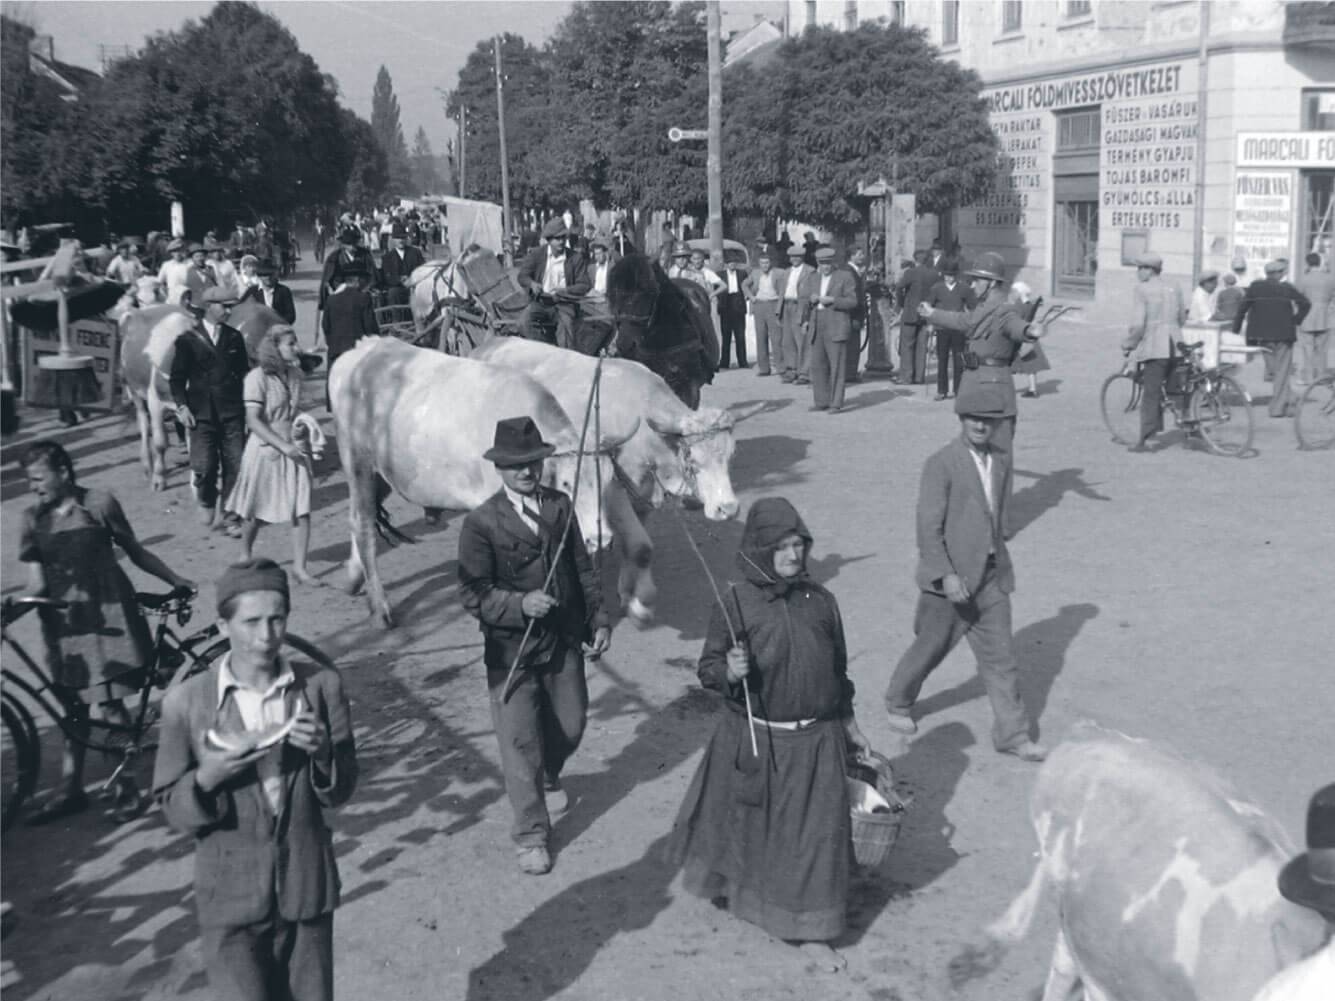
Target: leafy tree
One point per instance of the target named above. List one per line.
(368, 173)
(425, 176)
(389, 132)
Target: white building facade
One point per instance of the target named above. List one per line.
(1200, 130)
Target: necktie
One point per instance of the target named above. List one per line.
(531, 510)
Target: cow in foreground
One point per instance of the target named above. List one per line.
(1165, 880)
(668, 448)
(421, 420)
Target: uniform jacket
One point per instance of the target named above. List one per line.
(208, 379)
(246, 858)
(834, 322)
(500, 560)
(914, 286)
(994, 330)
(1275, 308)
(1157, 315)
(348, 316)
(1319, 287)
(282, 300)
(395, 268)
(955, 529)
(578, 280)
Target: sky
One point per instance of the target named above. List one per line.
(423, 43)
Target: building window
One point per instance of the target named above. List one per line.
(897, 12)
(1078, 130)
(950, 22)
(1075, 182)
(850, 15)
(1319, 111)
(1079, 8)
(811, 14)
(1010, 15)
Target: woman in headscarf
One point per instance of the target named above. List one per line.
(769, 830)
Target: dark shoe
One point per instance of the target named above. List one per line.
(232, 529)
(814, 409)
(939, 397)
(901, 722)
(834, 410)
(722, 365)
(761, 375)
(1029, 394)
(1028, 751)
(786, 378)
(1139, 448)
(802, 381)
(59, 809)
(534, 860)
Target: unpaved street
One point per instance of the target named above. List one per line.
(1178, 596)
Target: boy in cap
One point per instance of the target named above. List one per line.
(253, 750)
(965, 574)
(1273, 309)
(1157, 315)
(507, 546)
(272, 293)
(125, 267)
(209, 367)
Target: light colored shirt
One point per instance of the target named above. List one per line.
(259, 711)
(1313, 979)
(211, 329)
(600, 278)
(794, 276)
(733, 284)
(554, 278)
(174, 276)
(983, 463)
(126, 270)
(765, 289)
(224, 273)
(522, 506)
(824, 289)
(1202, 305)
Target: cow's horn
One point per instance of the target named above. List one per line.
(609, 443)
(739, 416)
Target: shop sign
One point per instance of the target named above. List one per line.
(95, 336)
(1286, 149)
(1262, 216)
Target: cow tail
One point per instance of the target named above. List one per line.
(383, 526)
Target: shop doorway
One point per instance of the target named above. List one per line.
(1318, 214)
(1075, 183)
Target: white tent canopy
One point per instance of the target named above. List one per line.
(470, 222)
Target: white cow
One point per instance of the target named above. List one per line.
(421, 420)
(668, 448)
(1165, 880)
(148, 342)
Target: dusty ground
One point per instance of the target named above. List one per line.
(1178, 596)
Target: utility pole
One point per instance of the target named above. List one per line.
(714, 164)
(463, 146)
(505, 170)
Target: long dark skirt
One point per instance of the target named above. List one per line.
(772, 834)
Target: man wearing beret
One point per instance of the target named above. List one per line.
(1273, 309)
(253, 750)
(272, 293)
(834, 297)
(209, 367)
(507, 548)
(965, 574)
(555, 278)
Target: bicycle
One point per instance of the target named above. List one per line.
(174, 659)
(1216, 406)
(1314, 420)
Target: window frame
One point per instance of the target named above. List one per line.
(950, 23)
(1076, 9)
(1009, 8)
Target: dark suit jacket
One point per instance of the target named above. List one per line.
(578, 280)
(835, 321)
(1275, 307)
(282, 300)
(209, 379)
(395, 268)
(860, 282)
(339, 263)
(501, 560)
(955, 529)
(348, 316)
(246, 858)
(914, 287)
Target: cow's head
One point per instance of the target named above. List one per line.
(704, 444)
(560, 473)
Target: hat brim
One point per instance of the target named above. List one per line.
(1296, 884)
(504, 457)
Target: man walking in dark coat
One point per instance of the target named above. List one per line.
(1272, 310)
(950, 295)
(507, 547)
(272, 293)
(349, 259)
(914, 287)
(209, 366)
(348, 316)
(965, 574)
(397, 265)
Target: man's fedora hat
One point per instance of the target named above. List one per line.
(980, 400)
(555, 228)
(682, 252)
(989, 265)
(601, 240)
(264, 269)
(350, 234)
(1309, 879)
(195, 248)
(210, 244)
(517, 443)
(399, 231)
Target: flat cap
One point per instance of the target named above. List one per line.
(825, 254)
(980, 400)
(1208, 276)
(1276, 267)
(555, 228)
(1149, 259)
(253, 575)
(796, 251)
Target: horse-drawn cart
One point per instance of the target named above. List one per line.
(463, 303)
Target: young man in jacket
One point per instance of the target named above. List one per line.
(272, 293)
(1273, 309)
(834, 298)
(555, 278)
(266, 883)
(965, 574)
(507, 547)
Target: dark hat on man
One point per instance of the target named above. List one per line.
(399, 231)
(265, 269)
(212, 294)
(195, 248)
(349, 234)
(825, 254)
(518, 442)
(1150, 259)
(681, 252)
(797, 251)
(601, 240)
(252, 575)
(555, 228)
(980, 400)
(990, 265)
(1309, 879)
(1276, 267)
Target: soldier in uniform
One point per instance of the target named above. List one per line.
(994, 331)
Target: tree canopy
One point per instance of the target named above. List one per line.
(389, 131)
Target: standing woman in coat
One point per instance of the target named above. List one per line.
(770, 831)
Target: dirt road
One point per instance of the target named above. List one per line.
(1178, 596)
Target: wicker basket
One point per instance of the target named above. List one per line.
(874, 833)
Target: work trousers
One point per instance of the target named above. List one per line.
(1313, 355)
(913, 353)
(829, 367)
(796, 347)
(554, 324)
(732, 326)
(985, 621)
(1281, 397)
(1154, 373)
(853, 352)
(538, 730)
(769, 335)
(949, 349)
(271, 960)
(215, 448)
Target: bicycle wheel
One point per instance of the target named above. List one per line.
(1314, 423)
(291, 642)
(1223, 413)
(1120, 402)
(20, 759)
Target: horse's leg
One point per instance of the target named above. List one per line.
(362, 501)
(635, 581)
(155, 412)
(142, 421)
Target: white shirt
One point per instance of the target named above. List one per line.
(211, 329)
(1313, 979)
(765, 289)
(824, 289)
(733, 284)
(260, 710)
(1202, 305)
(174, 276)
(794, 275)
(600, 277)
(224, 273)
(554, 278)
(519, 501)
(983, 463)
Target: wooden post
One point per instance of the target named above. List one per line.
(715, 161)
(505, 169)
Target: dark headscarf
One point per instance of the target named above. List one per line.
(768, 522)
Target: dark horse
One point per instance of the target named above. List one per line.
(664, 324)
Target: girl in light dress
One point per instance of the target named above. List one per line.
(274, 482)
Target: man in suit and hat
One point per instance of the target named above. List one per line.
(348, 316)
(965, 575)
(1309, 881)
(1273, 309)
(507, 547)
(198, 276)
(914, 287)
(834, 297)
(350, 259)
(397, 265)
(794, 315)
(253, 751)
(209, 367)
(272, 293)
(241, 240)
(555, 277)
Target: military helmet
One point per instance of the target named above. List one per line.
(988, 265)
